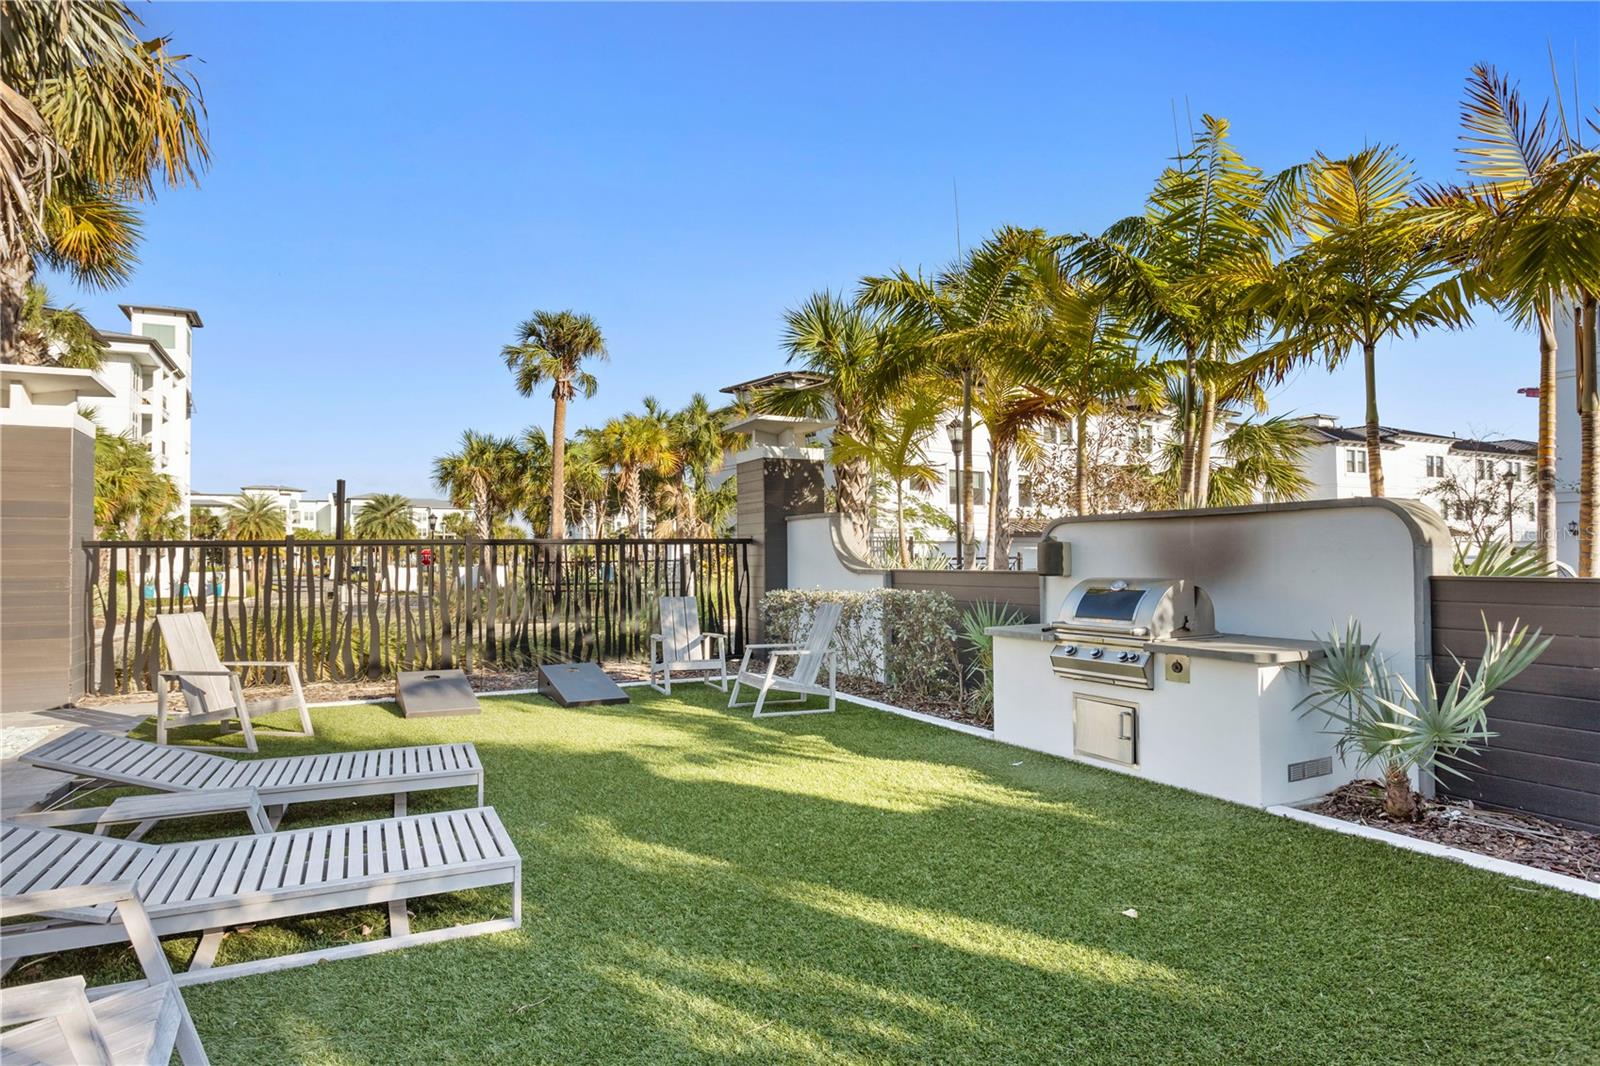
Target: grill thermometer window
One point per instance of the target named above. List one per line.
(1111, 605)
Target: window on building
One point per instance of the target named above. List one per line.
(1482, 468)
(166, 336)
(1355, 461)
(1025, 492)
(1436, 466)
(979, 483)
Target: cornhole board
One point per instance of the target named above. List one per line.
(579, 685)
(432, 693)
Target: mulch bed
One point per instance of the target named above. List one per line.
(953, 709)
(1459, 824)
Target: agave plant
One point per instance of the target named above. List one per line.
(1382, 721)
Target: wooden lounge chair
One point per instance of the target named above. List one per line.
(809, 656)
(682, 647)
(55, 1020)
(280, 782)
(210, 886)
(212, 689)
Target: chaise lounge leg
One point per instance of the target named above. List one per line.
(205, 953)
(400, 804)
(399, 920)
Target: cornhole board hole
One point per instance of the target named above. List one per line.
(433, 693)
(579, 685)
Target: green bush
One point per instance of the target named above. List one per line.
(904, 638)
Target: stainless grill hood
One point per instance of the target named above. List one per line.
(1104, 625)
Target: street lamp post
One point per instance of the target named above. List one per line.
(957, 435)
(1511, 505)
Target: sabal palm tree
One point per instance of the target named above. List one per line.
(255, 516)
(386, 516)
(1527, 229)
(483, 474)
(957, 321)
(588, 487)
(1364, 274)
(95, 119)
(699, 441)
(647, 451)
(552, 347)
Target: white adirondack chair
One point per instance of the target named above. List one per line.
(682, 647)
(212, 689)
(809, 655)
(56, 1021)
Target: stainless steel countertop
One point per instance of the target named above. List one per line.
(1233, 647)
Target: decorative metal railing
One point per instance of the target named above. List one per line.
(352, 609)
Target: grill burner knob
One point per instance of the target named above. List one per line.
(1070, 649)
(1125, 656)
(1095, 653)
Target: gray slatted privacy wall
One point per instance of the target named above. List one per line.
(1546, 758)
(1018, 589)
(369, 608)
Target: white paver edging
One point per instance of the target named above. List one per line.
(930, 719)
(1564, 882)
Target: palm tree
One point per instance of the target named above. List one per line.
(61, 334)
(588, 487)
(1528, 231)
(95, 119)
(1364, 274)
(698, 444)
(551, 347)
(957, 321)
(386, 516)
(132, 500)
(1209, 216)
(255, 517)
(896, 448)
(646, 451)
(482, 474)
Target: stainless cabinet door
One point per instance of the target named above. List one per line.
(1105, 729)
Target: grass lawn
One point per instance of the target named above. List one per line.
(863, 888)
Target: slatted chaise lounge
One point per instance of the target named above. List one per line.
(210, 886)
(55, 1022)
(280, 782)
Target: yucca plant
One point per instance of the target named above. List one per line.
(1382, 721)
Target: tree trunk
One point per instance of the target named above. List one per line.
(1000, 510)
(1186, 466)
(16, 271)
(558, 464)
(635, 499)
(1369, 363)
(852, 487)
(1201, 493)
(1545, 470)
(968, 507)
(1080, 479)
(1588, 388)
(1398, 800)
(900, 525)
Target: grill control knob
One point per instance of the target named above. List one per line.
(1125, 656)
(1095, 653)
(1070, 649)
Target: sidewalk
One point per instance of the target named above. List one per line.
(23, 786)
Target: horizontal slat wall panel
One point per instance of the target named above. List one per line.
(1545, 758)
(1014, 588)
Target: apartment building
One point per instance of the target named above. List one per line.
(317, 514)
(149, 368)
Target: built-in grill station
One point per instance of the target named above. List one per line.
(1105, 627)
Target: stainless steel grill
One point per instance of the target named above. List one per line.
(1105, 626)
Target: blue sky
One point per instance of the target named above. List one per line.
(395, 186)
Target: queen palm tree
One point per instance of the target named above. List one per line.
(95, 120)
(552, 347)
(1364, 274)
(483, 474)
(386, 516)
(255, 516)
(1527, 229)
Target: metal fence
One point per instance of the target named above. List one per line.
(352, 609)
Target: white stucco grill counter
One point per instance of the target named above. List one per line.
(1200, 684)
(1232, 730)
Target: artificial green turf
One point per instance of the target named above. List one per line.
(862, 888)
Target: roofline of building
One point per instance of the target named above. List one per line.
(187, 312)
(756, 383)
(106, 336)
